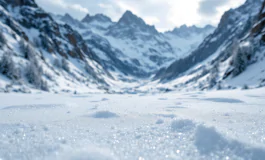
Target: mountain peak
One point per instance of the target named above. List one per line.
(129, 18)
(209, 27)
(185, 30)
(67, 17)
(183, 26)
(102, 18)
(87, 18)
(98, 17)
(131, 26)
(128, 13)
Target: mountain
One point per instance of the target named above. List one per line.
(230, 57)
(138, 48)
(140, 43)
(69, 19)
(58, 53)
(184, 31)
(99, 21)
(187, 38)
(131, 26)
(96, 18)
(39, 53)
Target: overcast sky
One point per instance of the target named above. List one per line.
(164, 14)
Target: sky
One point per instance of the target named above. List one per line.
(164, 14)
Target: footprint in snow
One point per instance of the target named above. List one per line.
(182, 125)
(160, 121)
(167, 115)
(176, 107)
(104, 115)
(223, 100)
(104, 99)
(34, 106)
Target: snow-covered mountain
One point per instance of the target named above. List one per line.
(187, 38)
(185, 32)
(96, 53)
(66, 53)
(37, 52)
(70, 20)
(233, 56)
(139, 48)
(100, 21)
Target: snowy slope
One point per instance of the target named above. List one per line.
(33, 42)
(231, 57)
(190, 126)
(234, 24)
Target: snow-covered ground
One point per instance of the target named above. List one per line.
(181, 125)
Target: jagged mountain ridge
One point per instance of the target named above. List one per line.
(129, 26)
(185, 31)
(135, 44)
(97, 17)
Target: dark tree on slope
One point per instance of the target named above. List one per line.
(46, 43)
(7, 67)
(65, 65)
(22, 45)
(212, 79)
(241, 59)
(2, 39)
(57, 63)
(37, 42)
(29, 52)
(88, 69)
(34, 74)
(94, 75)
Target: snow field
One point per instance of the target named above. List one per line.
(198, 125)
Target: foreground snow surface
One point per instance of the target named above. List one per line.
(198, 125)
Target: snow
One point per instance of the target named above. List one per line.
(182, 125)
(177, 125)
(145, 124)
(253, 75)
(183, 46)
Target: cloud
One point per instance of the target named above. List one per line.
(105, 6)
(151, 20)
(164, 14)
(212, 10)
(79, 8)
(62, 7)
(209, 7)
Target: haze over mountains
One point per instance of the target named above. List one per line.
(97, 54)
